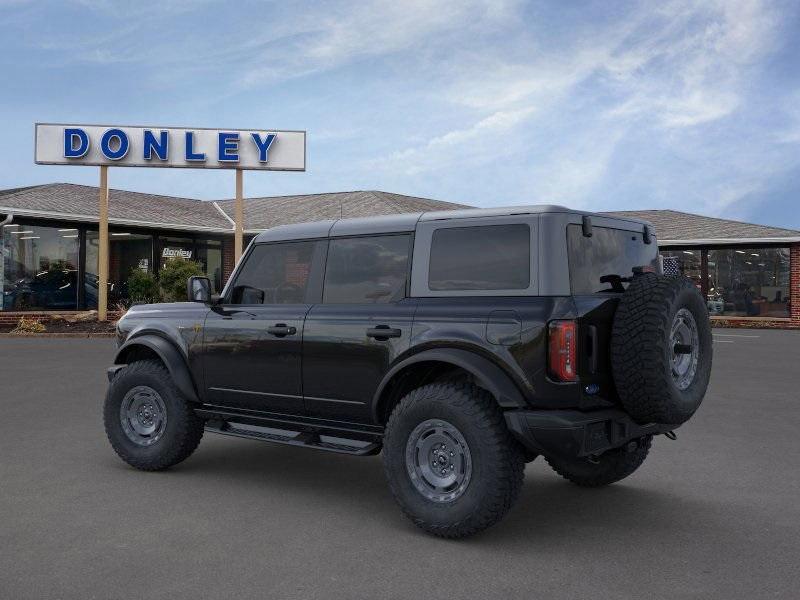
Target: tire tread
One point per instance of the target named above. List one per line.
(484, 414)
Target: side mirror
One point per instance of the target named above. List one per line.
(198, 289)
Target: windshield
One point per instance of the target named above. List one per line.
(610, 255)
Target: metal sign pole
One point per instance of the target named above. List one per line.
(238, 241)
(103, 254)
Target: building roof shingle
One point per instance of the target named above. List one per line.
(79, 202)
(264, 213)
(674, 226)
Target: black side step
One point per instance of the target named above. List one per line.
(305, 439)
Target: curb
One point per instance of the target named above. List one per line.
(56, 335)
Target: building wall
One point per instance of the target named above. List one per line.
(228, 261)
(795, 283)
(228, 265)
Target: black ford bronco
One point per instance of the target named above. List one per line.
(461, 344)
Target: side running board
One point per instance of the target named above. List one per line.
(305, 439)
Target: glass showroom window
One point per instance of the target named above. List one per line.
(749, 282)
(128, 252)
(176, 247)
(684, 262)
(209, 254)
(39, 268)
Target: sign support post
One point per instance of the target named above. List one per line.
(103, 254)
(238, 235)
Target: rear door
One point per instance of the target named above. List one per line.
(253, 339)
(361, 326)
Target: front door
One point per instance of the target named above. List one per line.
(253, 338)
(361, 326)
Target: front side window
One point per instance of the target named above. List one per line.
(487, 257)
(274, 274)
(366, 270)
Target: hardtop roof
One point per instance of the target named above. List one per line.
(407, 222)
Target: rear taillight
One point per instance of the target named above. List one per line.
(561, 350)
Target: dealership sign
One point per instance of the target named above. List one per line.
(110, 145)
(176, 253)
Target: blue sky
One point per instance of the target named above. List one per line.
(601, 105)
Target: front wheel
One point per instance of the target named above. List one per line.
(149, 423)
(609, 467)
(451, 464)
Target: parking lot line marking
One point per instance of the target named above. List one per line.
(724, 341)
(735, 335)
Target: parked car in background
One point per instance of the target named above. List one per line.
(53, 289)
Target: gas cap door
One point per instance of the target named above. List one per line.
(503, 328)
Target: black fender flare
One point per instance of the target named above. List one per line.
(488, 375)
(169, 355)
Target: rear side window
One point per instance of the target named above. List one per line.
(488, 257)
(366, 270)
(274, 274)
(608, 253)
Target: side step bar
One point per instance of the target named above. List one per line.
(305, 439)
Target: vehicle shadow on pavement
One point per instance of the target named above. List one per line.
(335, 496)
(548, 510)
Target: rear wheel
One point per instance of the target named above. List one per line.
(605, 469)
(451, 464)
(149, 423)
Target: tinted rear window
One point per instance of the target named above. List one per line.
(489, 257)
(607, 252)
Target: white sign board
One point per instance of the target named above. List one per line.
(189, 148)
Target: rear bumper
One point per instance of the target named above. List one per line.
(574, 433)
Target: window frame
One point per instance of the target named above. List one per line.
(313, 293)
(422, 256)
(409, 262)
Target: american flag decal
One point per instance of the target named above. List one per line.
(671, 266)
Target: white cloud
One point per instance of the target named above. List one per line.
(342, 34)
(465, 146)
(678, 67)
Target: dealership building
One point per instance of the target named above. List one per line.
(749, 274)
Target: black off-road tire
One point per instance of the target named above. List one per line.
(496, 458)
(605, 469)
(641, 349)
(182, 431)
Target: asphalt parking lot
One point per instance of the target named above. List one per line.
(714, 515)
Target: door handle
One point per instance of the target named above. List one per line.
(383, 332)
(281, 330)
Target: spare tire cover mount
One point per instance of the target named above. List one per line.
(685, 348)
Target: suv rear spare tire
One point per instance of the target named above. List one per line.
(661, 349)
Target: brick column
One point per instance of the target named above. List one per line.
(228, 261)
(794, 282)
